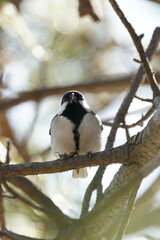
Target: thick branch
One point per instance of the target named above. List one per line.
(94, 225)
(141, 148)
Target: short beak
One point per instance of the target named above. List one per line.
(72, 99)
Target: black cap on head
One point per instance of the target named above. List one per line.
(72, 97)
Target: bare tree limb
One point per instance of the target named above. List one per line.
(120, 117)
(94, 225)
(95, 86)
(127, 213)
(146, 201)
(100, 158)
(2, 217)
(85, 8)
(126, 154)
(59, 219)
(111, 199)
(137, 123)
(155, 1)
(21, 198)
(111, 85)
(144, 99)
(123, 174)
(8, 151)
(137, 42)
(14, 236)
(139, 78)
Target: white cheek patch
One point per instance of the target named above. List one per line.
(62, 107)
(85, 105)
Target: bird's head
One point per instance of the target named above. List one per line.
(73, 97)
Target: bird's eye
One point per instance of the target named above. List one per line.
(79, 97)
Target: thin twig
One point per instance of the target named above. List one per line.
(137, 123)
(14, 236)
(109, 120)
(85, 8)
(57, 216)
(128, 211)
(139, 78)
(144, 118)
(144, 99)
(143, 203)
(2, 217)
(137, 42)
(137, 60)
(126, 130)
(21, 198)
(8, 151)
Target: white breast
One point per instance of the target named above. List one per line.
(90, 134)
(62, 138)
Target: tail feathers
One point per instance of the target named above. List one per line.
(80, 173)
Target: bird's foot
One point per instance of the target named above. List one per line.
(72, 154)
(67, 155)
(89, 154)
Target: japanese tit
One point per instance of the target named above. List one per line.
(75, 129)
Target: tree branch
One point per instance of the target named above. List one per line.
(2, 218)
(103, 210)
(59, 219)
(135, 148)
(123, 174)
(85, 8)
(120, 117)
(111, 85)
(137, 81)
(137, 123)
(116, 155)
(137, 42)
(14, 236)
(95, 86)
(21, 198)
(96, 219)
(127, 213)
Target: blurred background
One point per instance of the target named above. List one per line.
(46, 45)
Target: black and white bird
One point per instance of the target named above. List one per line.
(75, 129)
